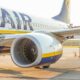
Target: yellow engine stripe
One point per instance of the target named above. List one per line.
(13, 31)
(51, 54)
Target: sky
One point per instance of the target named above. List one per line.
(43, 8)
(75, 12)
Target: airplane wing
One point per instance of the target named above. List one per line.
(67, 32)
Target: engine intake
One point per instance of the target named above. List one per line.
(28, 50)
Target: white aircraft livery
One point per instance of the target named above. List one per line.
(33, 41)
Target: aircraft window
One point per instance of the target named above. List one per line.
(44, 26)
(32, 24)
(36, 25)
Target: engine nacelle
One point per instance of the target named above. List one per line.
(35, 49)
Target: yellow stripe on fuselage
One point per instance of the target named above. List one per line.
(13, 31)
(51, 54)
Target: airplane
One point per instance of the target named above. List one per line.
(32, 41)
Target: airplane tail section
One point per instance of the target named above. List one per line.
(64, 14)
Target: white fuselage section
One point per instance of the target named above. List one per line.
(11, 20)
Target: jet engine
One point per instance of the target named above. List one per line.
(35, 49)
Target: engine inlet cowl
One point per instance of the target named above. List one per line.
(31, 49)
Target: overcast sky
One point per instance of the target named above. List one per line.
(43, 8)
